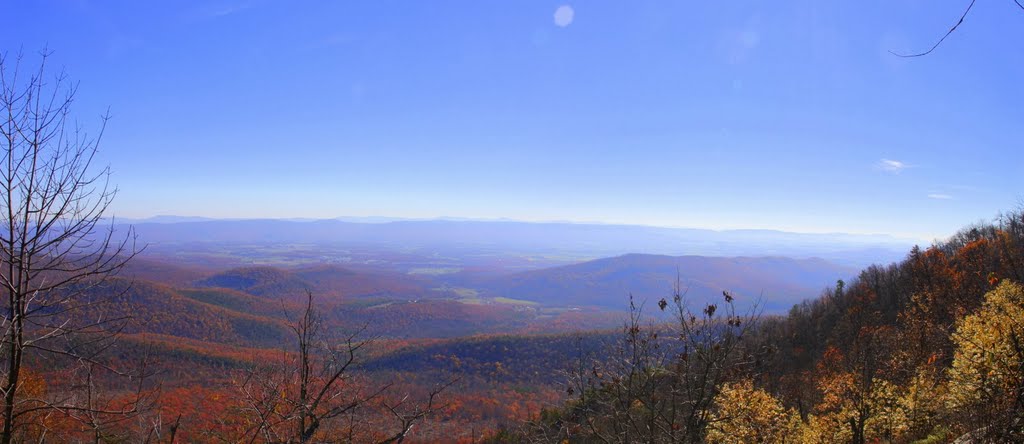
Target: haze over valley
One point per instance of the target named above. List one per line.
(526, 265)
(464, 222)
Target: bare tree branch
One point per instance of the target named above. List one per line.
(55, 256)
(953, 28)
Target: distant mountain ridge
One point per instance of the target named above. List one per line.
(593, 240)
(780, 282)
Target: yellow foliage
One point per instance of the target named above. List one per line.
(924, 399)
(843, 402)
(889, 417)
(988, 359)
(838, 391)
(826, 428)
(744, 414)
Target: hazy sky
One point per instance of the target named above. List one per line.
(788, 115)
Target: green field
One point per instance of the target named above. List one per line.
(511, 301)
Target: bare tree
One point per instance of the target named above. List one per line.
(295, 399)
(659, 382)
(407, 416)
(101, 411)
(55, 251)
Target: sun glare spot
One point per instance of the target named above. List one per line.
(564, 15)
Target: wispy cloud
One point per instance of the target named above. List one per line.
(939, 196)
(891, 166)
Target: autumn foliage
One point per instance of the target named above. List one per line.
(930, 349)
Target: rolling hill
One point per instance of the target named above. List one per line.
(780, 282)
(326, 281)
(160, 309)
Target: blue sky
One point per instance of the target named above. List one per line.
(783, 115)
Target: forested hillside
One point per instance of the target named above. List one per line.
(925, 350)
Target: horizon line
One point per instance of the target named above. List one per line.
(390, 219)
